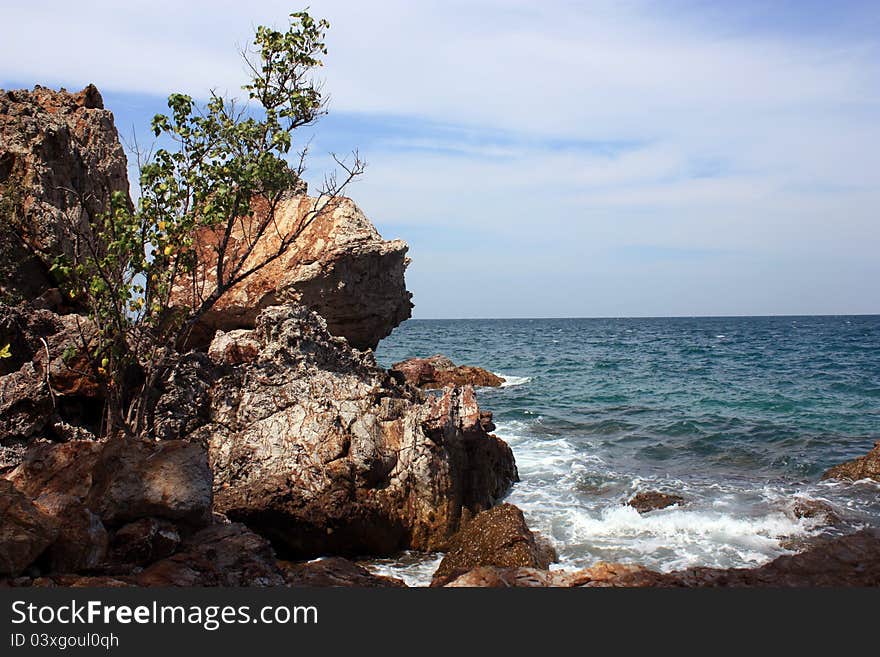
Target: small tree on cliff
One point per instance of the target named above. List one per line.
(205, 203)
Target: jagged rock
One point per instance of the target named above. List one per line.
(60, 160)
(234, 347)
(221, 555)
(864, 467)
(339, 267)
(317, 448)
(806, 508)
(494, 577)
(144, 541)
(25, 531)
(438, 372)
(653, 500)
(335, 571)
(497, 537)
(82, 539)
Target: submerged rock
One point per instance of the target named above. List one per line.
(438, 372)
(340, 267)
(314, 446)
(60, 161)
(653, 500)
(498, 537)
(335, 571)
(864, 467)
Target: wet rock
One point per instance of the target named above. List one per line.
(335, 571)
(221, 555)
(498, 537)
(807, 508)
(60, 160)
(25, 531)
(864, 467)
(653, 500)
(340, 267)
(438, 372)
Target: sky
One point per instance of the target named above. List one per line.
(553, 158)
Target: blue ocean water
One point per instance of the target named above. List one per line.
(739, 415)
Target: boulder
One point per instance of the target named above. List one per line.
(220, 555)
(438, 372)
(340, 267)
(653, 500)
(335, 571)
(316, 447)
(864, 467)
(498, 537)
(25, 531)
(60, 161)
(82, 538)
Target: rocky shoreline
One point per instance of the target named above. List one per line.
(279, 449)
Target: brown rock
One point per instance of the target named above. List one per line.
(864, 467)
(335, 571)
(340, 267)
(234, 347)
(144, 541)
(60, 160)
(25, 531)
(498, 537)
(805, 508)
(438, 372)
(653, 500)
(82, 539)
(221, 555)
(317, 448)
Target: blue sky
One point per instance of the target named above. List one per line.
(558, 158)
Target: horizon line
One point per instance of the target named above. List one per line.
(783, 315)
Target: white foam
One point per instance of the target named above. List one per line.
(511, 380)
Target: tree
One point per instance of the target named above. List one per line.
(224, 177)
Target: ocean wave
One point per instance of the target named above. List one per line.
(511, 380)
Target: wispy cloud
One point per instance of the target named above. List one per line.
(568, 131)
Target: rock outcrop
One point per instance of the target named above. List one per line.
(864, 467)
(340, 267)
(653, 500)
(498, 537)
(852, 560)
(438, 372)
(314, 446)
(60, 161)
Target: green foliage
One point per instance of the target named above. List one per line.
(5, 352)
(223, 158)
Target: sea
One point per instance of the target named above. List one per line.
(740, 416)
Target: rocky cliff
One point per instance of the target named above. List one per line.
(60, 160)
(340, 267)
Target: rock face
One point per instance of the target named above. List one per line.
(60, 160)
(653, 500)
(852, 560)
(438, 372)
(25, 531)
(498, 537)
(314, 446)
(864, 467)
(43, 394)
(340, 267)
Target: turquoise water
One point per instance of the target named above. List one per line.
(738, 415)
